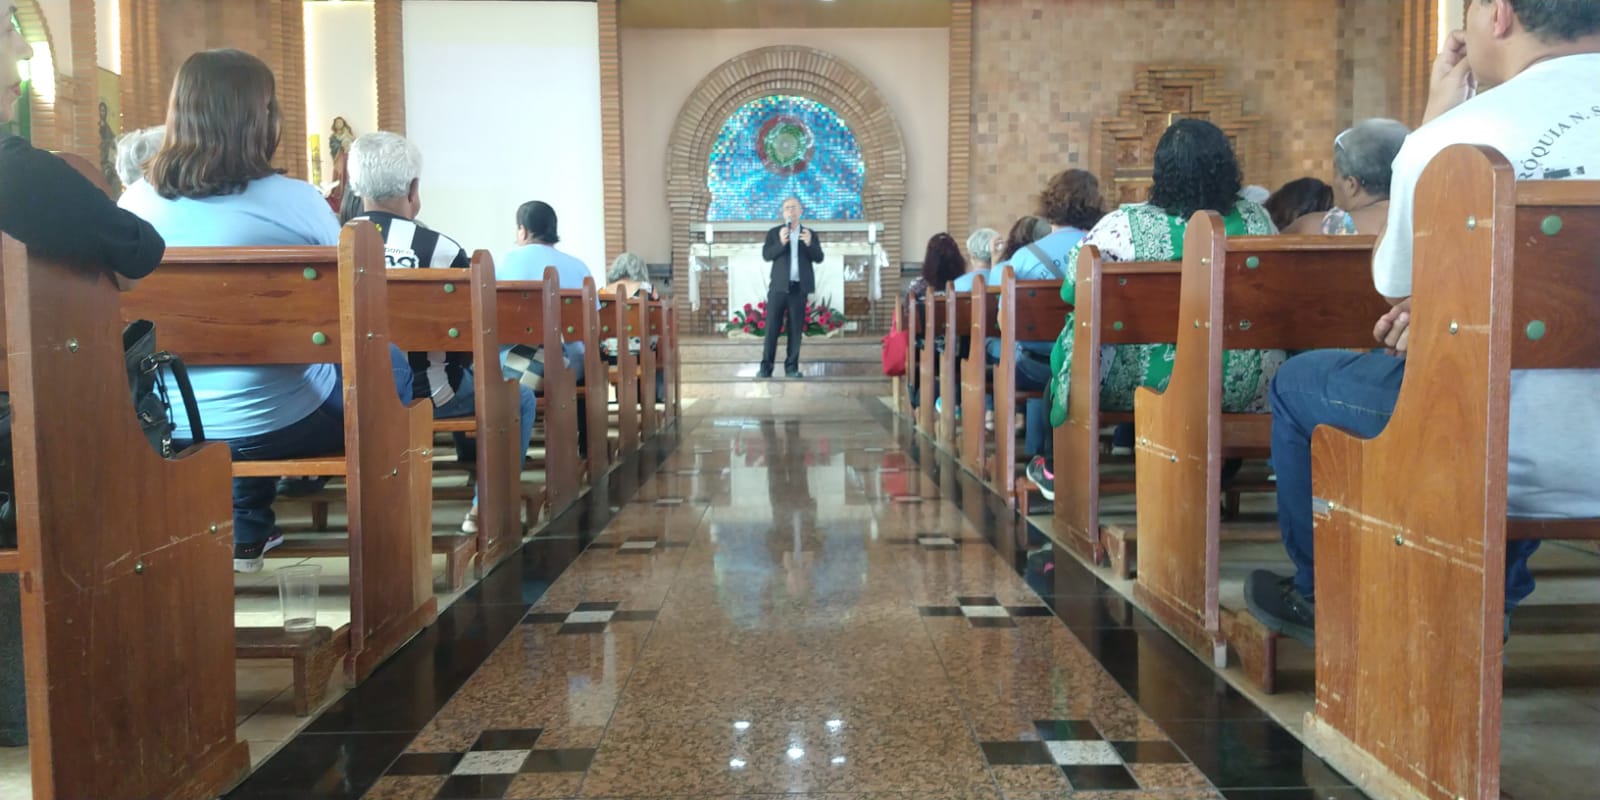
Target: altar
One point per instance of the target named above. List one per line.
(726, 269)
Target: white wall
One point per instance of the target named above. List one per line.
(504, 100)
(341, 71)
(661, 67)
(108, 34)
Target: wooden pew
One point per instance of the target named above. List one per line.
(306, 305)
(653, 361)
(1029, 311)
(530, 313)
(614, 322)
(639, 325)
(1409, 679)
(580, 320)
(1268, 292)
(122, 594)
(1117, 304)
(668, 357)
(451, 310)
(983, 305)
(926, 322)
(957, 321)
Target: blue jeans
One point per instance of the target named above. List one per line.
(464, 404)
(1355, 393)
(319, 433)
(1033, 375)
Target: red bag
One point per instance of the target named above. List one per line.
(895, 344)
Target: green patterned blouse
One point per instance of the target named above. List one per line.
(1144, 232)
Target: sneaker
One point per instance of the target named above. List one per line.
(1273, 599)
(469, 524)
(251, 557)
(793, 374)
(988, 420)
(1042, 561)
(764, 374)
(1042, 477)
(300, 487)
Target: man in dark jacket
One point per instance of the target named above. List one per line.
(793, 249)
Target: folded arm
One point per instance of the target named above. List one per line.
(48, 206)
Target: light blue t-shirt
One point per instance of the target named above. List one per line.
(1028, 267)
(238, 402)
(964, 282)
(527, 263)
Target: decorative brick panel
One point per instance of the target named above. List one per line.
(1045, 72)
(958, 219)
(611, 143)
(800, 71)
(388, 34)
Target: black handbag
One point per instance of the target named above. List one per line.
(151, 405)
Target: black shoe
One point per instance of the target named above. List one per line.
(300, 487)
(1041, 478)
(1274, 600)
(764, 374)
(793, 373)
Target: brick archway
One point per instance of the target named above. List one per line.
(45, 131)
(801, 71)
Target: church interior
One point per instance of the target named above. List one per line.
(613, 575)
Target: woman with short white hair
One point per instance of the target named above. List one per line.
(135, 148)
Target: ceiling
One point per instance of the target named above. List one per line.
(784, 13)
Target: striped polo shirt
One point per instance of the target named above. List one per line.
(408, 244)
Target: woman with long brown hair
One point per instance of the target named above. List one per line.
(212, 184)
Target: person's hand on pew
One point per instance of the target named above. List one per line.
(1394, 328)
(1452, 82)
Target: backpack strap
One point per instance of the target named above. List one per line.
(1046, 261)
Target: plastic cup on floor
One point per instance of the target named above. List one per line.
(297, 596)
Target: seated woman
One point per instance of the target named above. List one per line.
(1301, 198)
(134, 149)
(630, 277)
(212, 184)
(1025, 231)
(1362, 157)
(1195, 170)
(942, 264)
(981, 246)
(1071, 204)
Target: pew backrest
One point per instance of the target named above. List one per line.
(1116, 304)
(530, 314)
(121, 557)
(1505, 278)
(580, 321)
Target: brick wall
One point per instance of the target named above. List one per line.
(1047, 71)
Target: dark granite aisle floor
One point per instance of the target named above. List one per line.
(813, 606)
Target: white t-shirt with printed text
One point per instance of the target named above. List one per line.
(1546, 121)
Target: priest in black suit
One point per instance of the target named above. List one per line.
(793, 249)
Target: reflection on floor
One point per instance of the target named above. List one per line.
(795, 602)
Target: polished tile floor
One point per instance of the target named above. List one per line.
(775, 601)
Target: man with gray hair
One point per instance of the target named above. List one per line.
(792, 249)
(133, 149)
(385, 170)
